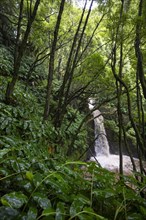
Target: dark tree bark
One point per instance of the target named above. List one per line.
(119, 106)
(20, 48)
(51, 62)
(138, 51)
(118, 83)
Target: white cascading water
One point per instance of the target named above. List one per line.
(100, 135)
(103, 156)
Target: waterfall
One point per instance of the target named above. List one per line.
(103, 156)
(101, 142)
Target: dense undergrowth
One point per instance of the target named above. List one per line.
(38, 183)
(37, 186)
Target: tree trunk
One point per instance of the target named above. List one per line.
(51, 62)
(118, 83)
(67, 71)
(71, 64)
(138, 51)
(20, 49)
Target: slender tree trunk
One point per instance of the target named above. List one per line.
(70, 68)
(140, 77)
(20, 49)
(140, 115)
(67, 71)
(76, 54)
(51, 62)
(11, 84)
(138, 50)
(119, 31)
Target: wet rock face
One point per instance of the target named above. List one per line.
(114, 145)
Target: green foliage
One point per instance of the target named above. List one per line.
(15, 200)
(31, 73)
(36, 186)
(74, 140)
(91, 68)
(6, 61)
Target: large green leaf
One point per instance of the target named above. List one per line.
(87, 213)
(78, 204)
(10, 140)
(3, 152)
(32, 213)
(48, 212)
(26, 185)
(143, 210)
(20, 165)
(29, 175)
(58, 183)
(76, 207)
(103, 194)
(4, 171)
(135, 216)
(14, 199)
(37, 179)
(4, 124)
(42, 200)
(60, 211)
(7, 213)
